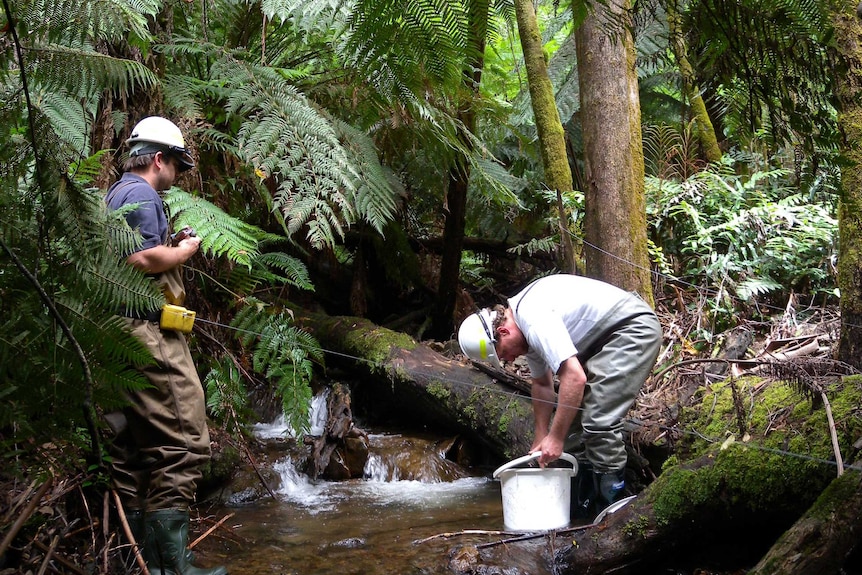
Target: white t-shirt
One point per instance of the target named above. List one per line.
(555, 312)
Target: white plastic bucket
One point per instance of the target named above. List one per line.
(536, 499)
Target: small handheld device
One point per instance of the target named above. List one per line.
(178, 318)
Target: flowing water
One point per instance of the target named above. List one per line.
(378, 525)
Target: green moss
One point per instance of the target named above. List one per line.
(438, 390)
(777, 462)
(637, 527)
(505, 420)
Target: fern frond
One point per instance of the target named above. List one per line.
(374, 195)
(105, 20)
(49, 67)
(288, 139)
(281, 352)
(295, 272)
(220, 233)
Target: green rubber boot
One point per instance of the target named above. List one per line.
(168, 540)
(138, 527)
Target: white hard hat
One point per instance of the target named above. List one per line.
(476, 337)
(157, 134)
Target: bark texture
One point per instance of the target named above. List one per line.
(823, 538)
(615, 218)
(552, 141)
(848, 31)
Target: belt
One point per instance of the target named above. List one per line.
(155, 315)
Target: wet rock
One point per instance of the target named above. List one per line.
(350, 543)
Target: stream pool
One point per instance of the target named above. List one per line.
(379, 525)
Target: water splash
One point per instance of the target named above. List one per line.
(317, 413)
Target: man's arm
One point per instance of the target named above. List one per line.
(544, 398)
(571, 395)
(162, 258)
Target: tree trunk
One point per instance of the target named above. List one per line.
(731, 501)
(705, 131)
(552, 142)
(417, 381)
(848, 31)
(615, 218)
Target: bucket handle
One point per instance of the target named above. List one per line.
(535, 455)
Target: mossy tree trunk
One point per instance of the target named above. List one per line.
(615, 218)
(705, 131)
(823, 538)
(552, 142)
(744, 495)
(848, 31)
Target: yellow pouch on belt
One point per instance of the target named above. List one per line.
(177, 318)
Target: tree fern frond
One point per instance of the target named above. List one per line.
(409, 38)
(49, 67)
(309, 16)
(374, 194)
(220, 233)
(78, 21)
(286, 138)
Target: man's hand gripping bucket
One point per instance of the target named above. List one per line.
(536, 499)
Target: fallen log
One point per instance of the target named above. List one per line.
(729, 501)
(823, 538)
(412, 378)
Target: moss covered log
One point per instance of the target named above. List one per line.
(426, 385)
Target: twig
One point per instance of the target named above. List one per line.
(210, 530)
(48, 555)
(838, 460)
(459, 533)
(751, 362)
(526, 536)
(60, 559)
(122, 514)
(25, 515)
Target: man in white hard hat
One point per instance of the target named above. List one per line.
(601, 343)
(161, 437)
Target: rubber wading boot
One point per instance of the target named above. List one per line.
(138, 527)
(168, 540)
(610, 486)
(135, 519)
(583, 492)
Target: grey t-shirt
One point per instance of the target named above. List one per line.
(555, 313)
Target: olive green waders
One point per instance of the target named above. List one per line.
(160, 443)
(618, 355)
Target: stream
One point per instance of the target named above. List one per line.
(378, 525)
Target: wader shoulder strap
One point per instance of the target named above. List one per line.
(526, 291)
